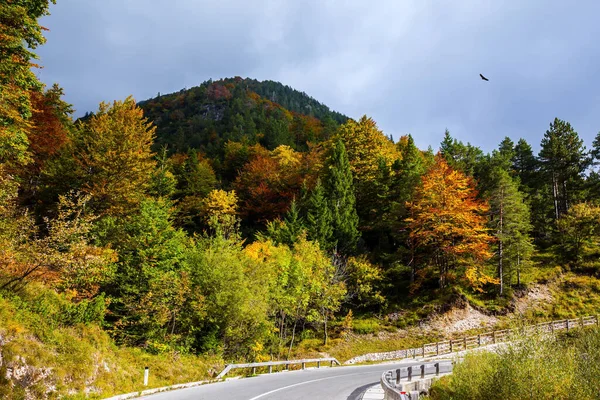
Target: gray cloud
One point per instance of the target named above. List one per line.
(411, 65)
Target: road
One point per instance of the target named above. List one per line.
(337, 383)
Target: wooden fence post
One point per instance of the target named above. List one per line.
(494, 337)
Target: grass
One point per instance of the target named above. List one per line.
(80, 360)
(565, 367)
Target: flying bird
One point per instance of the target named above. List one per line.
(483, 77)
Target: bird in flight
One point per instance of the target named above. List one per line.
(483, 77)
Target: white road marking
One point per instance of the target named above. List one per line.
(304, 383)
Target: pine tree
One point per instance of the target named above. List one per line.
(318, 217)
(525, 166)
(340, 190)
(563, 160)
(510, 224)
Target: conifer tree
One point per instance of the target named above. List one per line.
(318, 217)
(563, 161)
(510, 224)
(340, 188)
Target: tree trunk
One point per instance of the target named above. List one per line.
(500, 248)
(518, 268)
(555, 194)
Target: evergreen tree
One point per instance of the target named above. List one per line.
(340, 188)
(525, 166)
(563, 161)
(318, 217)
(510, 223)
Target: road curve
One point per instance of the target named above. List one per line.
(337, 383)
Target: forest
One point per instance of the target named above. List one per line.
(238, 218)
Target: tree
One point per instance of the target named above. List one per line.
(20, 33)
(318, 218)
(525, 165)
(448, 220)
(114, 155)
(340, 189)
(220, 210)
(579, 229)
(563, 161)
(460, 156)
(152, 286)
(510, 223)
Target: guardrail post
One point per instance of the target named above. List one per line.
(422, 371)
(423, 350)
(331, 363)
(414, 353)
(552, 328)
(451, 346)
(478, 340)
(597, 320)
(437, 368)
(253, 370)
(465, 340)
(303, 365)
(318, 364)
(409, 373)
(270, 369)
(437, 348)
(567, 325)
(146, 373)
(582, 324)
(494, 337)
(398, 376)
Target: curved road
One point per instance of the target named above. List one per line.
(337, 383)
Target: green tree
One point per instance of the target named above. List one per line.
(510, 224)
(563, 161)
(152, 286)
(580, 229)
(340, 189)
(318, 217)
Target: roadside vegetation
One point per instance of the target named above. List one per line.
(563, 367)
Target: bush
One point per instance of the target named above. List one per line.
(565, 367)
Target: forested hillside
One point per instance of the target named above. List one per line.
(243, 220)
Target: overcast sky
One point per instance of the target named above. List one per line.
(413, 66)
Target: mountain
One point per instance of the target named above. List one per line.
(240, 110)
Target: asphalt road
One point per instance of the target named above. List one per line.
(337, 383)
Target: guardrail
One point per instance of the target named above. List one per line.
(397, 384)
(483, 339)
(272, 364)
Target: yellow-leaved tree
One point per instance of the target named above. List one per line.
(114, 154)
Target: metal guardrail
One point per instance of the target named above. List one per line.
(271, 364)
(392, 380)
(471, 342)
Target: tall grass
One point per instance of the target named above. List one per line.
(563, 367)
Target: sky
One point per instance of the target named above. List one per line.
(413, 66)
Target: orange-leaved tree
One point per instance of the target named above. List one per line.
(447, 223)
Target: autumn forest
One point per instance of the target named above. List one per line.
(240, 217)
